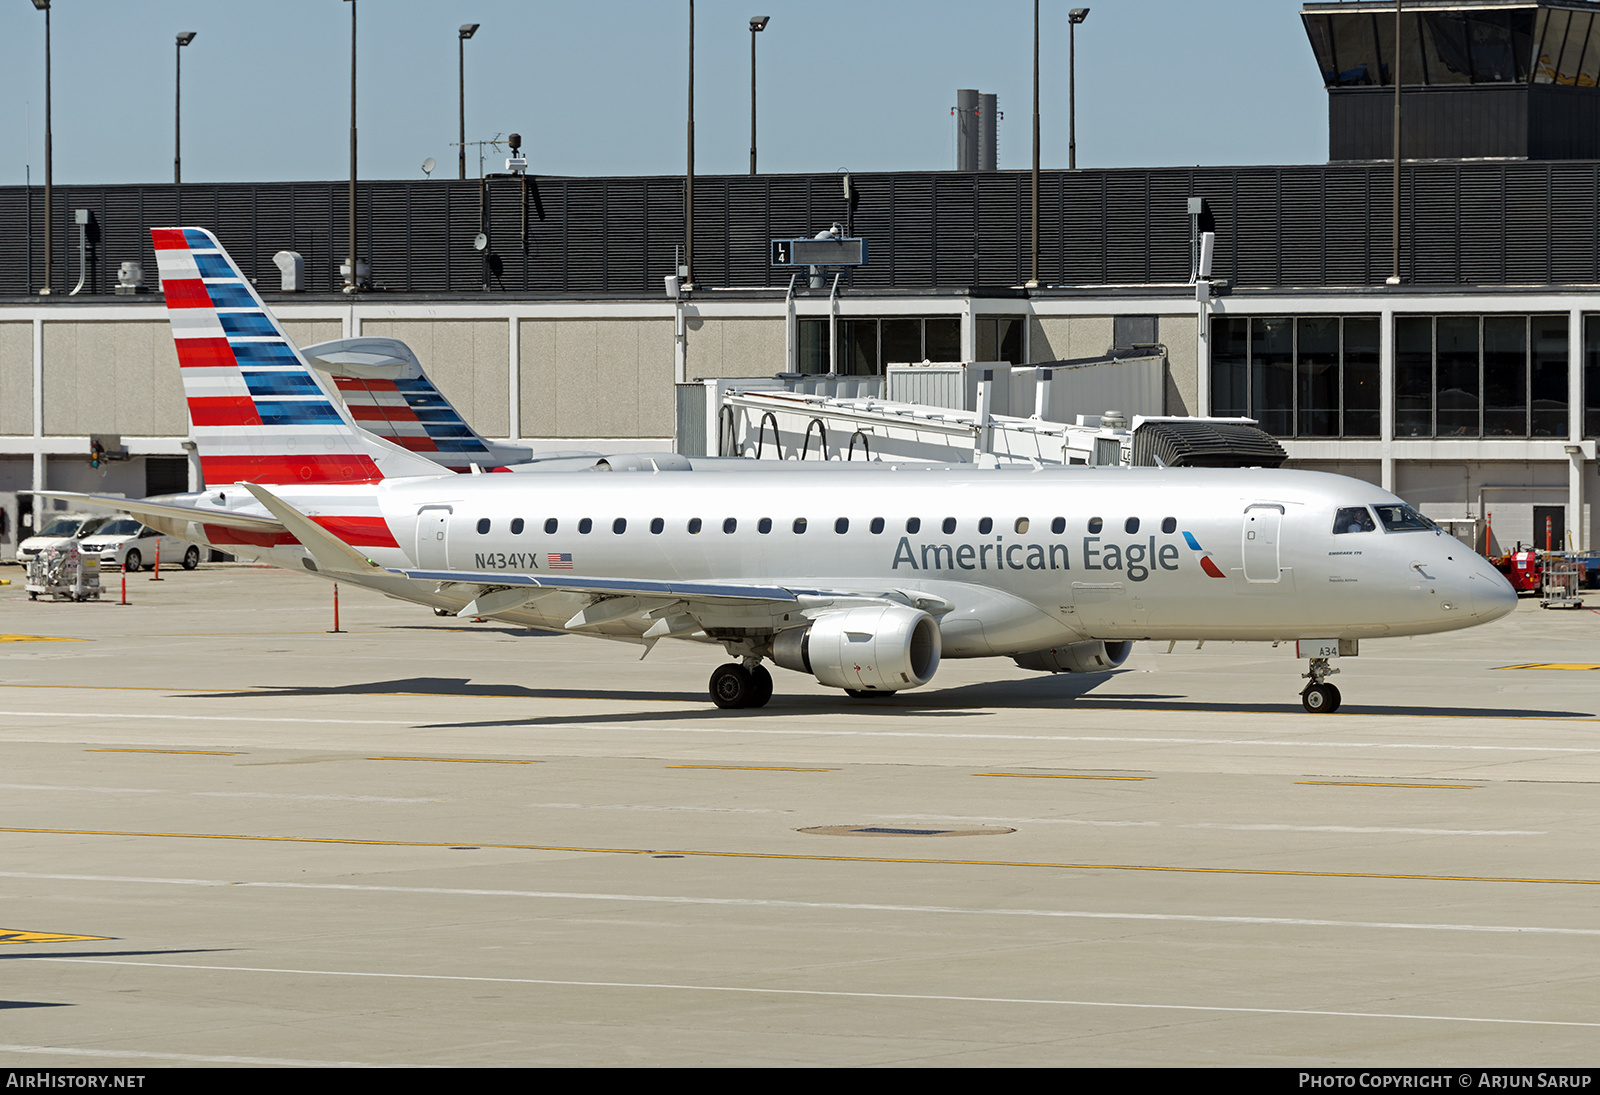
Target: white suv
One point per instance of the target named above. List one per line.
(61, 530)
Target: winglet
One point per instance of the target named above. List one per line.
(330, 552)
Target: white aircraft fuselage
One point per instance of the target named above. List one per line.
(1036, 557)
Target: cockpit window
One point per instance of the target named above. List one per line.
(1403, 519)
(1353, 519)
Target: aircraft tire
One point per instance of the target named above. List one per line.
(732, 686)
(761, 684)
(1320, 699)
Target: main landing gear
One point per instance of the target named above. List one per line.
(741, 685)
(1319, 697)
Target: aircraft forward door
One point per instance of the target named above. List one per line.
(433, 529)
(1263, 526)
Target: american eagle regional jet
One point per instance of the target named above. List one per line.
(862, 577)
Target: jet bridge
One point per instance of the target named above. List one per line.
(975, 413)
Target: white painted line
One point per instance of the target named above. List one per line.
(842, 906)
(204, 794)
(534, 724)
(198, 1058)
(838, 994)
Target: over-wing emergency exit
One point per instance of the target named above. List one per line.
(864, 579)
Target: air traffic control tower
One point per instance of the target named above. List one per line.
(1480, 79)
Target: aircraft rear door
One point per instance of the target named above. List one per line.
(1263, 524)
(433, 526)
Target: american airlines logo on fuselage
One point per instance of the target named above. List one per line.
(1138, 559)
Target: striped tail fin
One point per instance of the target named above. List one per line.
(388, 394)
(257, 411)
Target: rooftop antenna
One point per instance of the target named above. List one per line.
(428, 165)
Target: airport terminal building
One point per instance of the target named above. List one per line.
(1471, 387)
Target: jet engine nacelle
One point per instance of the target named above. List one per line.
(875, 649)
(1093, 656)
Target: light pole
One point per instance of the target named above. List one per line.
(467, 31)
(688, 198)
(184, 38)
(1394, 276)
(758, 23)
(44, 6)
(350, 280)
(1074, 17)
(1033, 280)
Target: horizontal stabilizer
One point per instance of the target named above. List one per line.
(330, 552)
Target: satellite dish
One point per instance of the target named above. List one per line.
(428, 165)
(480, 242)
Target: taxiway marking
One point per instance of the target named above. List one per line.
(838, 906)
(11, 935)
(814, 858)
(1358, 783)
(837, 993)
(956, 735)
(1055, 775)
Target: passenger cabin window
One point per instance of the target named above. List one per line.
(1169, 525)
(985, 526)
(1353, 519)
(656, 525)
(764, 525)
(550, 525)
(876, 526)
(730, 524)
(799, 526)
(694, 526)
(483, 525)
(516, 526)
(1021, 526)
(949, 525)
(1095, 524)
(1131, 525)
(619, 526)
(913, 524)
(1058, 525)
(584, 526)
(842, 525)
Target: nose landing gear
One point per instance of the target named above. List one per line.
(735, 685)
(1319, 697)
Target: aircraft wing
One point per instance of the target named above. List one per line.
(646, 609)
(143, 508)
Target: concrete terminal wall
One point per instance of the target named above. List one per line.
(112, 377)
(595, 378)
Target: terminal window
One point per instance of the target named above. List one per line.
(1591, 376)
(1299, 376)
(866, 345)
(1480, 376)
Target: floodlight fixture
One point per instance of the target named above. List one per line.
(1077, 15)
(186, 36)
(42, 5)
(758, 23)
(468, 30)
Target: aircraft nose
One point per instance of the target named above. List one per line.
(1492, 595)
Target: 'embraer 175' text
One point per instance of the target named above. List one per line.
(1138, 560)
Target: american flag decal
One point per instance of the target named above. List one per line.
(561, 560)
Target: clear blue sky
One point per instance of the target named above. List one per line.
(599, 87)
